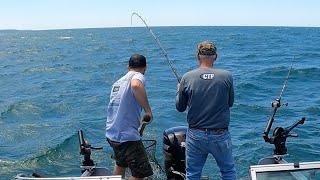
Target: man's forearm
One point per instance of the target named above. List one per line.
(181, 100)
(231, 96)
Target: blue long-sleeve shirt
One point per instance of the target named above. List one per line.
(209, 95)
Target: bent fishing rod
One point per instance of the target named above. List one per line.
(164, 53)
(276, 104)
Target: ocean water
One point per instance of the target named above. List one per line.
(55, 82)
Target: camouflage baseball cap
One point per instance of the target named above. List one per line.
(206, 48)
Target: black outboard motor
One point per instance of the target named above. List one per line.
(174, 152)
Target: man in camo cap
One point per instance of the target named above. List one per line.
(208, 94)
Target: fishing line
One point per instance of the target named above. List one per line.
(164, 53)
(285, 82)
(287, 78)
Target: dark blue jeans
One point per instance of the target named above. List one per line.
(199, 144)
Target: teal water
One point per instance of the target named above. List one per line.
(53, 83)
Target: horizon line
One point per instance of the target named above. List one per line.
(110, 27)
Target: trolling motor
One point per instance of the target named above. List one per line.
(85, 150)
(280, 134)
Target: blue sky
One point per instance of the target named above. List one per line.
(64, 14)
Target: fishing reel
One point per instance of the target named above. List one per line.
(280, 135)
(85, 150)
(276, 104)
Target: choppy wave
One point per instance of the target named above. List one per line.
(315, 110)
(61, 68)
(60, 157)
(246, 85)
(281, 72)
(65, 37)
(50, 87)
(4, 163)
(307, 72)
(20, 108)
(64, 150)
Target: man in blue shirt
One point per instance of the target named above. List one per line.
(208, 94)
(127, 98)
